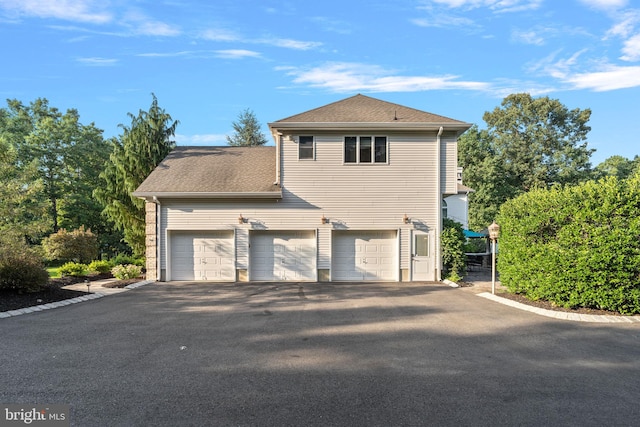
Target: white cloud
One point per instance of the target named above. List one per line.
(531, 37)
(156, 28)
(333, 25)
(496, 5)
(631, 49)
(141, 24)
(237, 54)
(289, 43)
(349, 77)
(90, 11)
(601, 77)
(167, 54)
(443, 20)
(605, 4)
(222, 35)
(98, 62)
(625, 24)
(219, 35)
(611, 77)
(205, 139)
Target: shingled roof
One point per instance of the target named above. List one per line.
(364, 109)
(214, 172)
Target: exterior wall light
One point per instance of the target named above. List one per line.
(240, 219)
(406, 219)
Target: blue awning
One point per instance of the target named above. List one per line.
(474, 234)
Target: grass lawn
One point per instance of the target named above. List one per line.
(53, 272)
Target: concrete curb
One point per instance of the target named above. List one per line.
(450, 283)
(575, 317)
(57, 304)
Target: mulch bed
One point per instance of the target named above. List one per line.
(548, 305)
(11, 300)
(122, 283)
(14, 301)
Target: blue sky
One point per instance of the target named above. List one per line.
(206, 61)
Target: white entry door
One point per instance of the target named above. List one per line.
(421, 260)
(364, 256)
(202, 255)
(282, 256)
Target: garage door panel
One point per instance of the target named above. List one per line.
(364, 255)
(282, 255)
(202, 255)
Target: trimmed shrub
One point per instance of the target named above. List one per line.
(575, 247)
(453, 258)
(73, 269)
(124, 259)
(78, 245)
(128, 271)
(21, 269)
(99, 267)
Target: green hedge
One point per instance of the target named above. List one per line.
(21, 269)
(576, 247)
(453, 259)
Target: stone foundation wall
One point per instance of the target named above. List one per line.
(151, 240)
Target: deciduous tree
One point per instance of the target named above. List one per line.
(529, 143)
(23, 208)
(64, 153)
(618, 166)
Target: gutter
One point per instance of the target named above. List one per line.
(458, 126)
(208, 195)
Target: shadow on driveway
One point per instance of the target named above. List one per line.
(318, 354)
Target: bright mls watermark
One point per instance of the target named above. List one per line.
(34, 415)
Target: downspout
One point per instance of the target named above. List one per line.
(158, 239)
(439, 205)
(277, 137)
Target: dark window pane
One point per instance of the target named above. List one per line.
(381, 149)
(349, 149)
(305, 147)
(365, 149)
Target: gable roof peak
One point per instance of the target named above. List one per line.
(365, 109)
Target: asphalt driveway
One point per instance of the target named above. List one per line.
(318, 354)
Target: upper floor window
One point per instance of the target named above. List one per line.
(365, 149)
(305, 148)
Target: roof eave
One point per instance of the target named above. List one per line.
(420, 126)
(147, 195)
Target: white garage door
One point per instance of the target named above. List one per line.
(202, 255)
(364, 255)
(282, 256)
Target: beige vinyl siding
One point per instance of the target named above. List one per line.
(324, 247)
(405, 248)
(449, 171)
(242, 248)
(365, 195)
(352, 196)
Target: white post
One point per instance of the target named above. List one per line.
(493, 266)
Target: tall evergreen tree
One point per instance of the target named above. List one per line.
(135, 153)
(247, 131)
